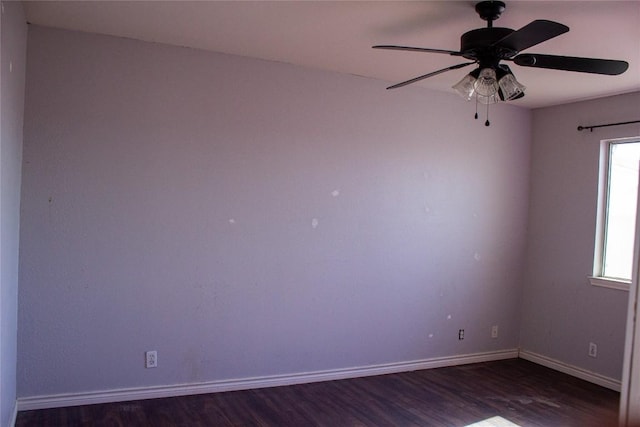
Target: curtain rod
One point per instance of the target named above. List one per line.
(591, 128)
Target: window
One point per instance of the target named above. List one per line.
(618, 203)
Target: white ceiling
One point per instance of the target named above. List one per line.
(338, 35)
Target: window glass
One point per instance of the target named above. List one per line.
(622, 201)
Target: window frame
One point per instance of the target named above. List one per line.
(597, 278)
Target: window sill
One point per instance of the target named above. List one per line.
(607, 282)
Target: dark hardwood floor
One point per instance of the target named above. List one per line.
(521, 392)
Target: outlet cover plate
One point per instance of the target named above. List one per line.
(494, 331)
(593, 350)
(151, 359)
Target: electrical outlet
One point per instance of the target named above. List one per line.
(461, 334)
(151, 359)
(593, 350)
(494, 331)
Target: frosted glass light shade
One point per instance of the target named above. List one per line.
(465, 87)
(510, 87)
(486, 85)
(491, 99)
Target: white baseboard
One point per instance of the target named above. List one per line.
(122, 395)
(583, 374)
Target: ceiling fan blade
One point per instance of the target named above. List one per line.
(571, 63)
(417, 49)
(531, 34)
(434, 73)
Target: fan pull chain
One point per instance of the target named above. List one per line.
(476, 116)
(487, 123)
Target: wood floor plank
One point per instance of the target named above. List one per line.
(519, 391)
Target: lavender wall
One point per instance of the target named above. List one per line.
(563, 312)
(248, 218)
(13, 46)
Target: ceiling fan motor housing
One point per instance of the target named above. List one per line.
(479, 45)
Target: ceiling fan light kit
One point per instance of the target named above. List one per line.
(492, 81)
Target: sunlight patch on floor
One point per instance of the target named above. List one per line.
(493, 422)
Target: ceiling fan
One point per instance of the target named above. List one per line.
(492, 81)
